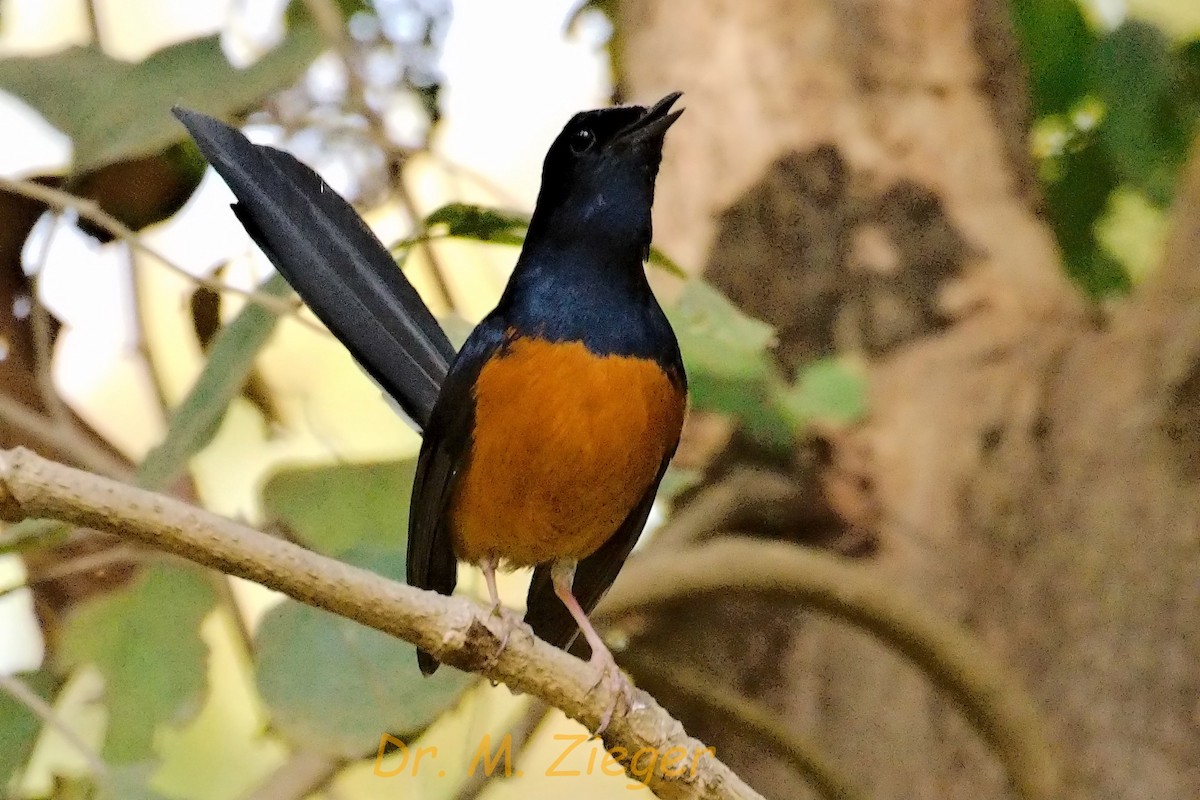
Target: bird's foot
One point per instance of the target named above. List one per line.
(616, 686)
(510, 621)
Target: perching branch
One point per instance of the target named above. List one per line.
(456, 631)
(998, 708)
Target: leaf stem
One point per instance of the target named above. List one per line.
(19, 691)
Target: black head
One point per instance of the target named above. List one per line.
(598, 177)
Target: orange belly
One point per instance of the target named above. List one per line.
(565, 445)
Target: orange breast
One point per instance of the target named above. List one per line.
(565, 444)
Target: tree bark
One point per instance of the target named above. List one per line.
(857, 174)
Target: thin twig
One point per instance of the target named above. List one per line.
(93, 213)
(66, 430)
(515, 742)
(43, 356)
(992, 701)
(409, 203)
(17, 689)
(89, 562)
(66, 438)
(142, 341)
(93, 23)
(228, 599)
(332, 27)
(304, 774)
(455, 630)
(716, 507)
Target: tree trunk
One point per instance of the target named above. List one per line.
(856, 173)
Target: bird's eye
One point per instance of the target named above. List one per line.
(582, 140)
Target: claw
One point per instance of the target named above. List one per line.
(615, 683)
(511, 621)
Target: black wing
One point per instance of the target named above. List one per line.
(546, 614)
(333, 260)
(431, 562)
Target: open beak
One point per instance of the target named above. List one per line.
(654, 123)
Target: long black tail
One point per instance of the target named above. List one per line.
(334, 262)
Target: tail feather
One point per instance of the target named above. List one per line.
(334, 262)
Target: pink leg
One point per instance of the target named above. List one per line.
(511, 620)
(562, 574)
(488, 565)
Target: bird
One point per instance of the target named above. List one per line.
(546, 436)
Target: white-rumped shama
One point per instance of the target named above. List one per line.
(546, 436)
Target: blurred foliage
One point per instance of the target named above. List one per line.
(729, 366)
(131, 118)
(401, 40)
(1115, 112)
(465, 221)
(18, 725)
(367, 683)
(829, 390)
(153, 663)
(130, 156)
(196, 420)
(372, 511)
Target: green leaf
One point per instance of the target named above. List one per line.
(32, 533)
(1077, 195)
(145, 640)
(720, 335)
(19, 727)
(335, 508)
(130, 116)
(297, 13)
(730, 370)
(1187, 72)
(1055, 41)
(1147, 135)
(129, 782)
(466, 221)
(828, 390)
(367, 682)
(195, 421)
(1133, 231)
(664, 262)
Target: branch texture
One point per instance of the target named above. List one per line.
(454, 630)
